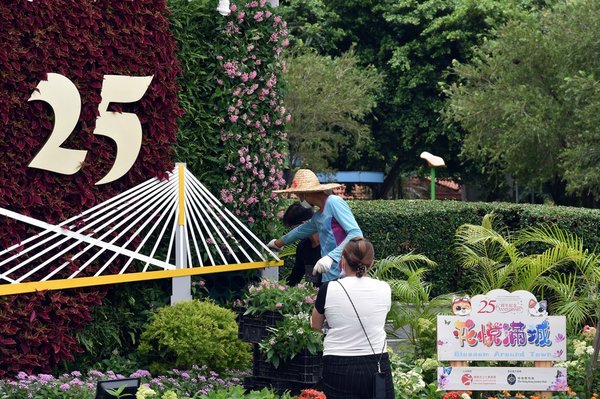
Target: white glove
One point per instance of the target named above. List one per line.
(323, 265)
(273, 246)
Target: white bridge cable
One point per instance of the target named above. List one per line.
(171, 243)
(195, 193)
(62, 266)
(191, 194)
(139, 218)
(118, 208)
(96, 210)
(162, 232)
(205, 198)
(76, 256)
(219, 206)
(190, 214)
(117, 198)
(170, 207)
(81, 237)
(149, 206)
(164, 204)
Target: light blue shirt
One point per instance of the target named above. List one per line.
(336, 226)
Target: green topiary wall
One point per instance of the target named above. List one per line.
(428, 227)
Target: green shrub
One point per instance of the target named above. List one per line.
(193, 333)
(429, 227)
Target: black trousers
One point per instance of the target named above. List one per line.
(350, 377)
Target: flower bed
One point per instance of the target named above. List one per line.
(177, 384)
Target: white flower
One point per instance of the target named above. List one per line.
(144, 392)
(465, 396)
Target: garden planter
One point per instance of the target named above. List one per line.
(303, 368)
(253, 328)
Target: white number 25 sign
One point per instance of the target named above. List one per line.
(124, 128)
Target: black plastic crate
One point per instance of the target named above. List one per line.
(279, 386)
(253, 328)
(304, 367)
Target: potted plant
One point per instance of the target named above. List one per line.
(287, 352)
(292, 339)
(265, 304)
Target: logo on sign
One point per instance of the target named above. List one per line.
(511, 379)
(467, 379)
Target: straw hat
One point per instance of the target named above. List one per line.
(306, 181)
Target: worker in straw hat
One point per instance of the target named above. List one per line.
(333, 221)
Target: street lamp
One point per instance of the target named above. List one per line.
(434, 162)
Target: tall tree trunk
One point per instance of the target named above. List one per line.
(388, 182)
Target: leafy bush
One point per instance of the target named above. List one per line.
(193, 333)
(429, 227)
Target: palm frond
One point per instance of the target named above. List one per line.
(538, 265)
(576, 312)
(551, 235)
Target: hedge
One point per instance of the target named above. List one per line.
(428, 227)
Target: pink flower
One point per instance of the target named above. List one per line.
(233, 7)
(233, 118)
(279, 305)
(285, 42)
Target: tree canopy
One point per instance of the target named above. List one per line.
(414, 43)
(328, 98)
(529, 100)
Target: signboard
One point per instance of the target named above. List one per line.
(502, 378)
(501, 326)
(501, 338)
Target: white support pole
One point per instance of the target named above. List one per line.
(271, 273)
(182, 286)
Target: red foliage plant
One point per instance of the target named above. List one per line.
(82, 40)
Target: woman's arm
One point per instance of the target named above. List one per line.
(316, 320)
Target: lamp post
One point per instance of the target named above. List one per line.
(434, 162)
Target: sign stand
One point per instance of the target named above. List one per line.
(543, 394)
(501, 326)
